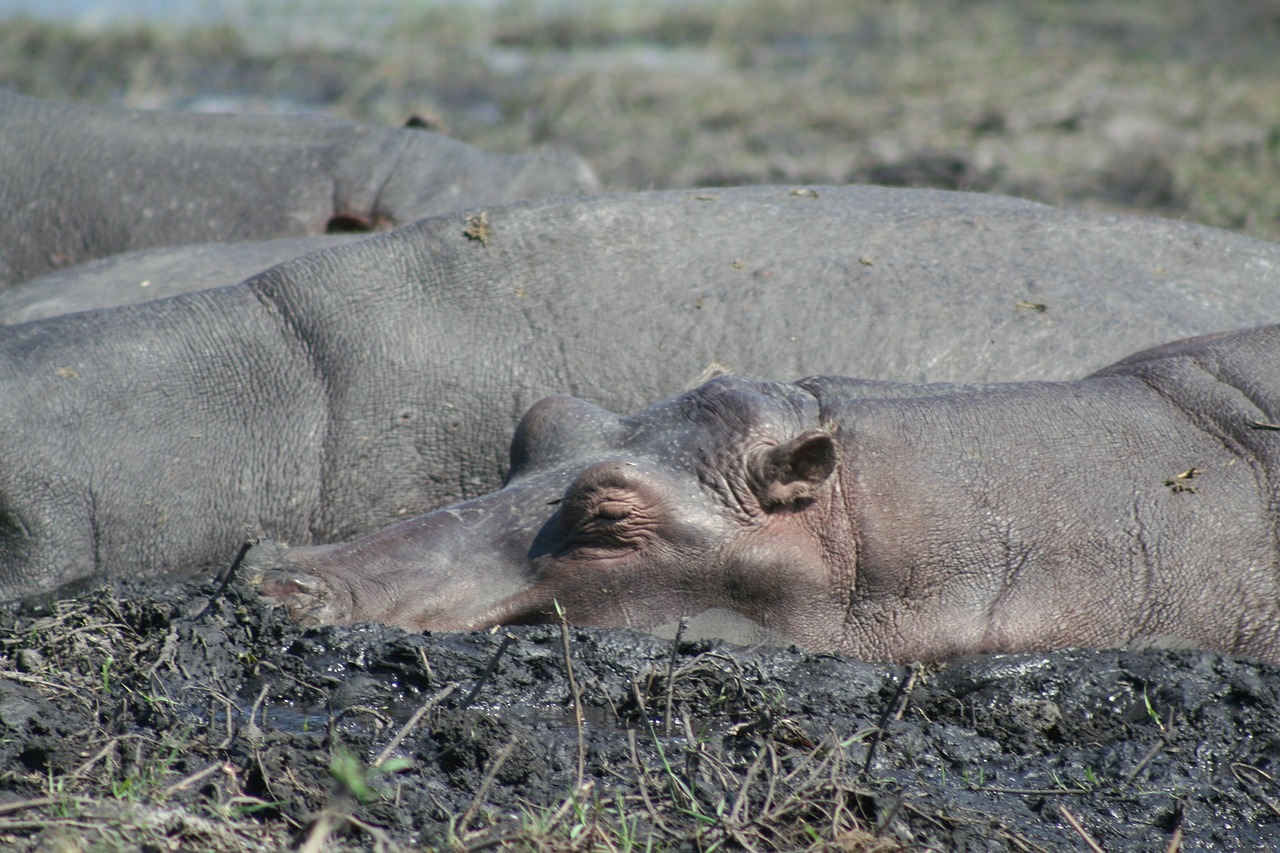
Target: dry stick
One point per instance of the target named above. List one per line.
(486, 782)
(226, 579)
(413, 721)
(671, 667)
(320, 832)
(27, 804)
(904, 686)
(774, 770)
(381, 840)
(565, 804)
(257, 705)
(1080, 830)
(183, 784)
(642, 776)
(599, 833)
(79, 771)
(916, 669)
(1175, 843)
(613, 709)
(25, 825)
(507, 640)
(577, 697)
(1247, 774)
(230, 709)
(14, 675)
(1143, 761)
(740, 801)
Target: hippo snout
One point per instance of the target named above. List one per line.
(308, 598)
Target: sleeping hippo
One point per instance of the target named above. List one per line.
(348, 388)
(896, 522)
(80, 182)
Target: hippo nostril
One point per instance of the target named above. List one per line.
(344, 223)
(280, 584)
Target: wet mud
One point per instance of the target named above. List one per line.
(205, 704)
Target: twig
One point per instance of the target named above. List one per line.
(642, 775)
(486, 782)
(1080, 830)
(1247, 774)
(671, 669)
(319, 834)
(226, 579)
(1057, 792)
(1144, 761)
(577, 697)
(379, 835)
(908, 681)
(507, 640)
(257, 705)
(740, 801)
(413, 721)
(183, 784)
(27, 804)
(102, 753)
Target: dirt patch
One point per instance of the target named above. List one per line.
(173, 719)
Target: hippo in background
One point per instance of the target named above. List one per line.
(896, 522)
(82, 182)
(150, 274)
(346, 388)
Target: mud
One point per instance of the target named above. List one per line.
(202, 704)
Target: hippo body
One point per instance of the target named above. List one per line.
(892, 522)
(351, 387)
(82, 182)
(150, 274)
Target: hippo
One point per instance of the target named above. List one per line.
(894, 522)
(82, 182)
(356, 385)
(146, 275)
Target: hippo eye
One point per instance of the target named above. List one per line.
(612, 510)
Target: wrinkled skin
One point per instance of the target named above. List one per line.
(893, 522)
(349, 387)
(150, 274)
(82, 182)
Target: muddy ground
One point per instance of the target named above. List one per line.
(194, 719)
(187, 717)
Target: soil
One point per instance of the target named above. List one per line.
(188, 717)
(192, 717)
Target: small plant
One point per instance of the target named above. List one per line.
(106, 673)
(359, 780)
(1151, 710)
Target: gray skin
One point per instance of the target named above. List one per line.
(887, 521)
(150, 274)
(83, 182)
(349, 388)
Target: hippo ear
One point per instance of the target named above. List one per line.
(714, 370)
(794, 471)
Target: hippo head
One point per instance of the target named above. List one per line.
(715, 502)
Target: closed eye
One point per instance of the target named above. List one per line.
(612, 510)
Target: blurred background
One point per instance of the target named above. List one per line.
(1170, 107)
